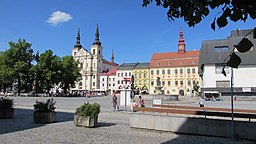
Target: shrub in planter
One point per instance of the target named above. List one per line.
(6, 108)
(87, 115)
(44, 111)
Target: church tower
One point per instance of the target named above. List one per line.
(78, 44)
(181, 44)
(96, 49)
(112, 57)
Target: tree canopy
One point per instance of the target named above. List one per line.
(193, 11)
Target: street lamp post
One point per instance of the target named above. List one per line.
(232, 106)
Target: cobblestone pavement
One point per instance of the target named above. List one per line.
(113, 128)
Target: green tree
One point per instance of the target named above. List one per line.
(193, 11)
(48, 70)
(6, 72)
(19, 58)
(70, 73)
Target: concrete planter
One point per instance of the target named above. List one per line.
(85, 121)
(44, 117)
(7, 113)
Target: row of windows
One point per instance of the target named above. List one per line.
(81, 65)
(219, 67)
(221, 49)
(175, 71)
(109, 79)
(93, 52)
(140, 75)
(181, 63)
(109, 85)
(176, 83)
(124, 74)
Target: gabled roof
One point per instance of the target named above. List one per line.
(208, 55)
(142, 66)
(127, 66)
(174, 59)
(112, 72)
(109, 63)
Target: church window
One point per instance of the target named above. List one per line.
(93, 51)
(81, 65)
(93, 84)
(99, 52)
(152, 83)
(74, 53)
(94, 64)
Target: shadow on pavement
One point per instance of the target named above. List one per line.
(23, 119)
(103, 124)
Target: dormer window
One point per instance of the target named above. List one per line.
(158, 64)
(193, 62)
(181, 62)
(169, 63)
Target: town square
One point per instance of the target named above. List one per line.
(148, 71)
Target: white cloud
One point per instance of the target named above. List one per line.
(59, 17)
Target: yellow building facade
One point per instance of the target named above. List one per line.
(141, 78)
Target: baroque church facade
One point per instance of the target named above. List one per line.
(91, 63)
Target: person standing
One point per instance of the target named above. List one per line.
(141, 101)
(114, 102)
(201, 102)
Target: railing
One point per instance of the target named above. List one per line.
(203, 111)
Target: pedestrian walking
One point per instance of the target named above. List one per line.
(114, 102)
(141, 101)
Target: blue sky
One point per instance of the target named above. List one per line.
(132, 31)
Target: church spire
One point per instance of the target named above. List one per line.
(112, 57)
(78, 39)
(97, 37)
(181, 43)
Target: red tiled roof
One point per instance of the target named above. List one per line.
(112, 72)
(109, 63)
(174, 59)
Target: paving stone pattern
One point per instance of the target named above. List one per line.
(113, 129)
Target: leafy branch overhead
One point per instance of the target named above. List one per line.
(193, 11)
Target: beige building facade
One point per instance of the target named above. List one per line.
(177, 71)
